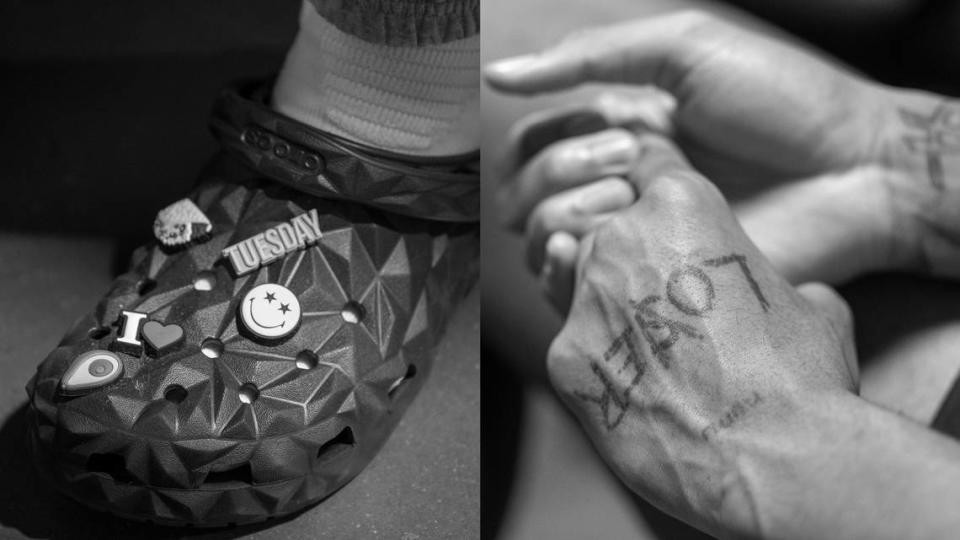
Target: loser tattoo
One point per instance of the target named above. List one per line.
(631, 358)
(609, 396)
(734, 413)
(741, 261)
(652, 324)
(939, 136)
(692, 293)
(677, 293)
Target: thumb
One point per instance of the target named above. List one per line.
(836, 311)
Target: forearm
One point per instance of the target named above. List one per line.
(849, 469)
(919, 145)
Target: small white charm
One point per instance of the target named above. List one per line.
(270, 311)
(181, 223)
(262, 249)
(91, 370)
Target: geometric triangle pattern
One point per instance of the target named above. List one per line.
(174, 439)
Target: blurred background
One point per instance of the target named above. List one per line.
(103, 123)
(541, 478)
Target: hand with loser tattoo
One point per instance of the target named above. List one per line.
(831, 175)
(725, 396)
(685, 353)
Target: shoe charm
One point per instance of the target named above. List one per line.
(270, 311)
(159, 338)
(128, 338)
(264, 248)
(180, 224)
(90, 370)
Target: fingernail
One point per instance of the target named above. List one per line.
(511, 66)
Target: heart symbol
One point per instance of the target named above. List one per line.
(161, 338)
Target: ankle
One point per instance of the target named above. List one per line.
(412, 100)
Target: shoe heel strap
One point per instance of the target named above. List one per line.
(327, 165)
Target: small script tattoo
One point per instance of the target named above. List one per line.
(937, 134)
(733, 414)
(691, 292)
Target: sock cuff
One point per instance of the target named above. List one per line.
(403, 23)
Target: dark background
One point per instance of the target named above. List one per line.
(103, 121)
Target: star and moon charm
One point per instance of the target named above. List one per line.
(270, 311)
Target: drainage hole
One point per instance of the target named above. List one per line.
(99, 332)
(352, 312)
(205, 281)
(306, 360)
(211, 347)
(145, 286)
(343, 441)
(175, 394)
(112, 465)
(249, 393)
(397, 384)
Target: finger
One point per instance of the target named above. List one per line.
(645, 110)
(565, 164)
(575, 212)
(837, 313)
(559, 270)
(658, 158)
(655, 50)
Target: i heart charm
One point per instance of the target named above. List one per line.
(161, 338)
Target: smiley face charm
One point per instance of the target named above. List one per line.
(270, 311)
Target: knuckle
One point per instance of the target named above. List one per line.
(681, 189)
(613, 232)
(606, 102)
(839, 307)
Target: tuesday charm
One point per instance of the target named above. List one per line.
(261, 249)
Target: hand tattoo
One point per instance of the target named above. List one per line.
(609, 396)
(733, 414)
(742, 263)
(692, 293)
(940, 136)
(652, 325)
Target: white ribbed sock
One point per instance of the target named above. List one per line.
(413, 100)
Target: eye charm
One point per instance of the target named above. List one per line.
(90, 370)
(270, 311)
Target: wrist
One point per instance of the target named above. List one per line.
(792, 457)
(918, 149)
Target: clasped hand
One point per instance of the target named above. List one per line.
(687, 354)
